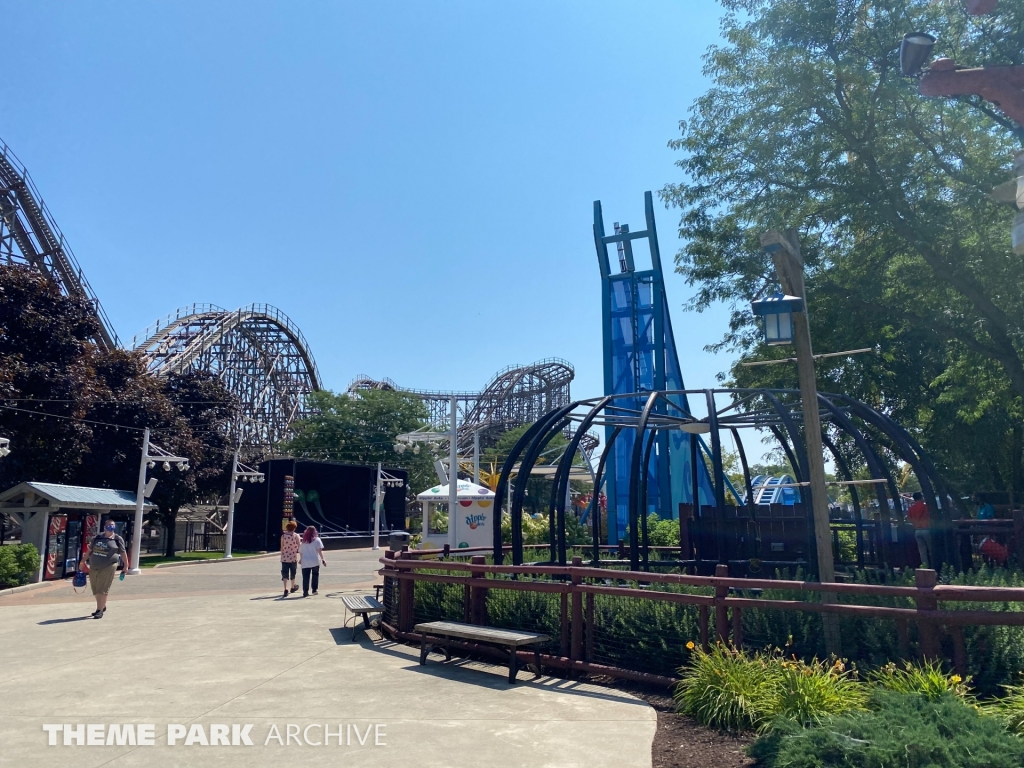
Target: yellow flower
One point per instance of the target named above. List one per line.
(955, 679)
(690, 646)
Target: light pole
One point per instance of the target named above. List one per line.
(431, 439)
(784, 248)
(151, 453)
(384, 480)
(1001, 86)
(239, 471)
(453, 475)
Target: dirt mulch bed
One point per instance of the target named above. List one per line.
(682, 742)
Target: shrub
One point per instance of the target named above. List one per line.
(17, 564)
(1009, 709)
(903, 730)
(725, 688)
(643, 634)
(808, 692)
(926, 679)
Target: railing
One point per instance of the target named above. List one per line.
(198, 541)
(636, 625)
(172, 318)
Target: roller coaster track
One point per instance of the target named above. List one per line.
(29, 235)
(517, 395)
(256, 351)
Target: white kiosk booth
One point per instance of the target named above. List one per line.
(473, 520)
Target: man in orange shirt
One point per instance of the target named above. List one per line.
(921, 520)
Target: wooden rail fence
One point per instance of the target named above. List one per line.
(719, 612)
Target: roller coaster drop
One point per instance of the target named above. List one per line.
(259, 353)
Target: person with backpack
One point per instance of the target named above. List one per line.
(103, 555)
(312, 556)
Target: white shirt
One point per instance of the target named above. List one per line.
(310, 553)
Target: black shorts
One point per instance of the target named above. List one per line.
(288, 570)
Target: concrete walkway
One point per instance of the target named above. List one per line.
(214, 644)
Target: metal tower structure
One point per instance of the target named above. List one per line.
(260, 355)
(640, 356)
(517, 395)
(29, 235)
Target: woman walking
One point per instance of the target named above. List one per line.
(103, 555)
(312, 556)
(289, 556)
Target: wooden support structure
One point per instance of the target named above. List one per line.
(721, 609)
(576, 621)
(925, 580)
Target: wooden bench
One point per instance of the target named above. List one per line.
(360, 606)
(444, 631)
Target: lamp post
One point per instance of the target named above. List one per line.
(384, 480)
(431, 439)
(151, 454)
(453, 474)
(1002, 86)
(784, 248)
(239, 471)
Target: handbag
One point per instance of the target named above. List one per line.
(78, 581)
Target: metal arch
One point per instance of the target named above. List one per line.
(29, 235)
(503, 481)
(257, 352)
(561, 479)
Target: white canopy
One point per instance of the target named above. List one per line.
(466, 490)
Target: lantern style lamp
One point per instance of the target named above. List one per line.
(915, 50)
(776, 313)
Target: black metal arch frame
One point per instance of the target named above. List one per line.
(776, 410)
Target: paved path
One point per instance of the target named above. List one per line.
(214, 644)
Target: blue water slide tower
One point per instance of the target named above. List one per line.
(640, 356)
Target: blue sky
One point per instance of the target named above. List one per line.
(411, 183)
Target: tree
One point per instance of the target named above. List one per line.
(809, 124)
(45, 367)
(361, 429)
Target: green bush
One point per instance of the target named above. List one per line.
(926, 679)
(643, 634)
(807, 692)
(909, 731)
(726, 688)
(1009, 709)
(17, 564)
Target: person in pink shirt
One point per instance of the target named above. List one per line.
(290, 542)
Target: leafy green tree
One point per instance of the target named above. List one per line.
(361, 429)
(809, 123)
(45, 367)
